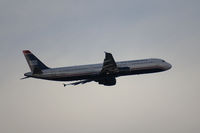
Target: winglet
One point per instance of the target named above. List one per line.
(109, 64)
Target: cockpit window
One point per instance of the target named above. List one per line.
(163, 61)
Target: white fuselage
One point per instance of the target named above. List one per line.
(92, 71)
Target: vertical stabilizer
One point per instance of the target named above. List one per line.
(34, 63)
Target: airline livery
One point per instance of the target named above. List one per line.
(105, 73)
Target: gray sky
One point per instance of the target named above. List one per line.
(73, 32)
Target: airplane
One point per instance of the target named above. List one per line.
(104, 73)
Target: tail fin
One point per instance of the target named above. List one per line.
(34, 63)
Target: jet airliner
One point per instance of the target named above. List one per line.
(104, 73)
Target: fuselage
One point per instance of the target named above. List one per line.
(93, 71)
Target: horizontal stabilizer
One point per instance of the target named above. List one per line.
(24, 78)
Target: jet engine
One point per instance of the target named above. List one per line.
(108, 81)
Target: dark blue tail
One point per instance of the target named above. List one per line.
(34, 63)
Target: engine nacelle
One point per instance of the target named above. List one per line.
(108, 81)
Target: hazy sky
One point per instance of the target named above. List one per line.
(73, 32)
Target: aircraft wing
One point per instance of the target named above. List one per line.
(109, 65)
(79, 82)
(109, 69)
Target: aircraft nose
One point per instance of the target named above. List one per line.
(168, 66)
